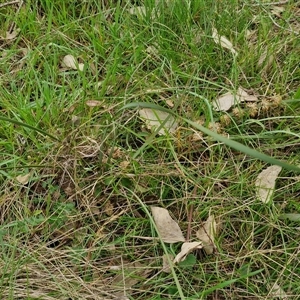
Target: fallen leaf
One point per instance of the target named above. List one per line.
(278, 292)
(224, 102)
(262, 58)
(168, 229)
(265, 183)
(206, 234)
(80, 66)
(70, 62)
(291, 217)
(223, 41)
(99, 84)
(75, 120)
(154, 118)
(93, 103)
(241, 93)
(167, 258)
(153, 50)
(277, 10)
(137, 11)
(11, 35)
(186, 249)
(227, 100)
(170, 103)
(265, 60)
(23, 179)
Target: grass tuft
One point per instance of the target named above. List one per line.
(80, 227)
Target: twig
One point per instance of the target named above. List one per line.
(9, 3)
(271, 3)
(13, 25)
(276, 24)
(190, 215)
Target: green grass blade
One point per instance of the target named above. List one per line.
(228, 283)
(28, 126)
(233, 144)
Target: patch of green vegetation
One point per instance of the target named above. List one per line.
(80, 227)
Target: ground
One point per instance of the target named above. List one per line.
(81, 167)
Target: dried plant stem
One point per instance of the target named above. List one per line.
(190, 216)
(9, 3)
(12, 26)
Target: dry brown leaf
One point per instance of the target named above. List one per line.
(99, 84)
(265, 60)
(224, 102)
(70, 62)
(80, 66)
(223, 41)
(11, 35)
(265, 183)
(167, 258)
(168, 229)
(244, 96)
(154, 118)
(170, 103)
(262, 58)
(75, 120)
(227, 100)
(186, 249)
(23, 179)
(153, 50)
(137, 11)
(206, 234)
(277, 10)
(93, 103)
(278, 292)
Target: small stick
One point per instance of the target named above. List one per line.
(13, 25)
(9, 3)
(190, 216)
(271, 3)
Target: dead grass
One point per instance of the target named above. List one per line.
(79, 228)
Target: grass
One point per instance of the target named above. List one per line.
(77, 228)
